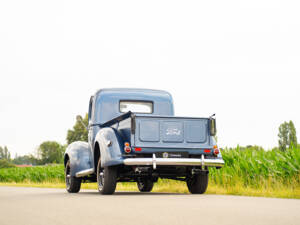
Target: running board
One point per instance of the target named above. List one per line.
(84, 173)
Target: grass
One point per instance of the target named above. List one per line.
(36, 174)
(169, 186)
(251, 172)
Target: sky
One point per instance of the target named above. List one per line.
(238, 59)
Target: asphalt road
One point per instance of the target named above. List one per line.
(43, 206)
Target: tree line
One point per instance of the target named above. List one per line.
(53, 152)
(48, 151)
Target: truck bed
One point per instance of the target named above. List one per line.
(164, 132)
(171, 132)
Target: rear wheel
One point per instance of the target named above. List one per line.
(106, 179)
(144, 184)
(72, 183)
(198, 183)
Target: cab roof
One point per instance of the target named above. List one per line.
(134, 92)
(107, 101)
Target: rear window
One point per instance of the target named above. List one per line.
(136, 106)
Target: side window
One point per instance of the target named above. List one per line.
(90, 108)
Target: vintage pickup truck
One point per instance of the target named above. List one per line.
(133, 136)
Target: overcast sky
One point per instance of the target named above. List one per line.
(238, 59)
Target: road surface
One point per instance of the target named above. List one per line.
(43, 206)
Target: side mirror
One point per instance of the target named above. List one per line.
(212, 127)
(80, 120)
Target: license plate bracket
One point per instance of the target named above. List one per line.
(172, 154)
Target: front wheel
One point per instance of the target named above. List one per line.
(144, 184)
(72, 183)
(106, 179)
(198, 183)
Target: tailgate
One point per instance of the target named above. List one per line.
(171, 132)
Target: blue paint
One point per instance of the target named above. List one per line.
(153, 132)
(106, 102)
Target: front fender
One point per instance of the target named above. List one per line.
(79, 155)
(110, 144)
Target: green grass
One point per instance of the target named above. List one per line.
(259, 168)
(35, 174)
(247, 172)
(171, 186)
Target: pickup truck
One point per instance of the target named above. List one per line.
(133, 136)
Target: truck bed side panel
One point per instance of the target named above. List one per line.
(124, 129)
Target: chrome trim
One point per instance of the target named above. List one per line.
(202, 163)
(174, 162)
(154, 161)
(84, 173)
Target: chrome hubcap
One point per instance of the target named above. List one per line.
(68, 177)
(141, 183)
(101, 179)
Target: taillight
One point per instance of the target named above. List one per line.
(138, 149)
(216, 151)
(207, 150)
(127, 147)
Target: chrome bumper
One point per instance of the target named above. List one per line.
(173, 162)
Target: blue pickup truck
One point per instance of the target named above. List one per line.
(133, 136)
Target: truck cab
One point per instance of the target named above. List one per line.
(133, 136)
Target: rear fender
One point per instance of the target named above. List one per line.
(79, 155)
(110, 144)
(214, 142)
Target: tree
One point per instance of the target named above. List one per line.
(287, 135)
(292, 135)
(4, 163)
(4, 153)
(283, 136)
(51, 152)
(79, 132)
(26, 159)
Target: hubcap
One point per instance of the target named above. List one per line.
(68, 177)
(141, 183)
(101, 179)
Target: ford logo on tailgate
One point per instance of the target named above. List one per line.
(173, 131)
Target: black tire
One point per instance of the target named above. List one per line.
(106, 179)
(198, 183)
(73, 184)
(144, 184)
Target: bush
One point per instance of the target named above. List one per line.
(52, 172)
(4, 163)
(259, 168)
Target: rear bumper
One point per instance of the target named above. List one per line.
(174, 162)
